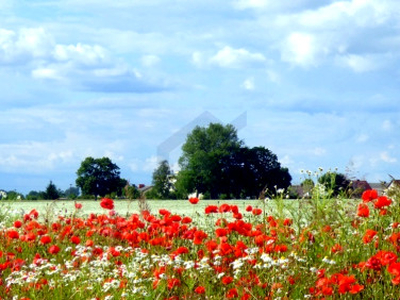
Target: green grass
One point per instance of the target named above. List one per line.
(125, 207)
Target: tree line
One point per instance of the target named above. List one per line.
(214, 163)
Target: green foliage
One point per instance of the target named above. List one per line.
(34, 195)
(51, 193)
(13, 195)
(335, 183)
(162, 182)
(131, 192)
(72, 192)
(99, 177)
(205, 159)
(151, 194)
(217, 164)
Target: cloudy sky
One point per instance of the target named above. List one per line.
(318, 83)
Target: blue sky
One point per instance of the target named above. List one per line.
(318, 81)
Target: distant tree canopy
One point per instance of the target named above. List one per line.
(72, 192)
(334, 183)
(162, 183)
(215, 162)
(35, 195)
(51, 192)
(99, 177)
(131, 191)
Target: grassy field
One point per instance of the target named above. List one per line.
(48, 209)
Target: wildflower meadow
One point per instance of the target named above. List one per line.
(319, 248)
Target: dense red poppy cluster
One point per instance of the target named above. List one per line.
(245, 255)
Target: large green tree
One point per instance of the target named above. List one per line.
(205, 160)
(99, 177)
(215, 162)
(256, 171)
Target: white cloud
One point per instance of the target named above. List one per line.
(24, 45)
(273, 76)
(150, 60)
(151, 163)
(268, 4)
(300, 48)
(244, 4)
(346, 14)
(360, 63)
(387, 125)
(35, 41)
(45, 156)
(362, 138)
(248, 84)
(286, 161)
(358, 34)
(198, 59)
(134, 165)
(81, 66)
(319, 151)
(385, 156)
(46, 73)
(82, 54)
(229, 57)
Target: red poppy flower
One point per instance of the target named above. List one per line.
(336, 248)
(107, 203)
(173, 282)
(382, 202)
(54, 249)
(386, 257)
(249, 208)
(363, 210)
(186, 220)
(227, 280)
(396, 280)
(75, 239)
(369, 195)
(45, 240)
(221, 232)
(238, 216)
(78, 205)
(211, 209)
(211, 245)
(34, 213)
(287, 222)
(200, 290)
(164, 212)
(234, 209)
(394, 269)
(199, 236)
(17, 224)
(194, 200)
(232, 293)
(30, 236)
(257, 211)
(356, 288)
(12, 234)
(369, 235)
(224, 208)
(374, 263)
